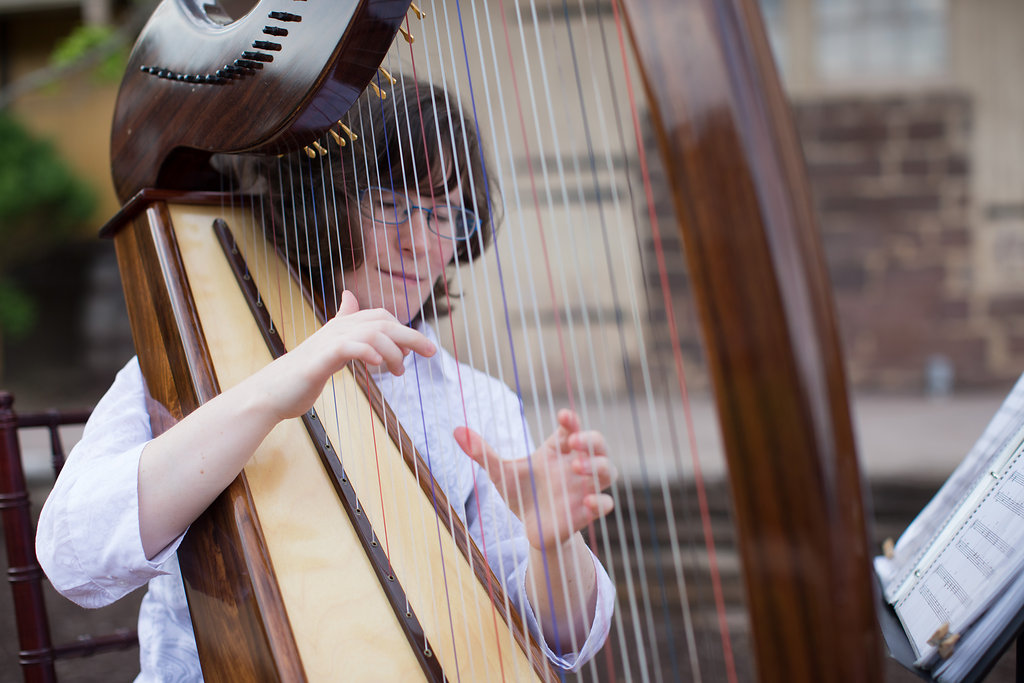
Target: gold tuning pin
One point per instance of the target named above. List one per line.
(405, 34)
(337, 138)
(348, 131)
(417, 11)
(309, 152)
(380, 93)
(391, 79)
(319, 148)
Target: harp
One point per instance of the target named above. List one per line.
(279, 77)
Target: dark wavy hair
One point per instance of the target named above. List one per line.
(407, 138)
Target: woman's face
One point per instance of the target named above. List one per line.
(401, 263)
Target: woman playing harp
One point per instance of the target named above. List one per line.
(125, 499)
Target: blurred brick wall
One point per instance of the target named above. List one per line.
(890, 179)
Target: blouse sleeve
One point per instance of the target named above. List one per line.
(503, 539)
(88, 540)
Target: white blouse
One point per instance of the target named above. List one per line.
(88, 539)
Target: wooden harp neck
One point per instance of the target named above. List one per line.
(269, 82)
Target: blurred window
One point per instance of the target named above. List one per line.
(865, 38)
(774, 22)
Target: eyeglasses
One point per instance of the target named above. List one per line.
(391, 208)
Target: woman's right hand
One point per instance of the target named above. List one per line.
(293, 382)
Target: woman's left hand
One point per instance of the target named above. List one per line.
(557, 490)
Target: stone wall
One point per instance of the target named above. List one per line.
(891, 184)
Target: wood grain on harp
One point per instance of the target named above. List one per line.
(375, 175)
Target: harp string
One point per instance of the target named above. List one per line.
(631, 395)
(353, 425)
(547, 276)
(348, 210)
(580, 597)
(589, 332)
(472, 272)
(677, 354)
(641, 643)
(564, 288)
(410, 118)
(470, 81)
(445, 172)
(614, 289)
(675, 551)
(373, 177)
(474, 107)
(429, 175)
(599, 396)
(459, 275)
(454, 145)
(329, 195)
(620, 513)
(514, 269)
(560, 252)
(389, 181)
(575, 248)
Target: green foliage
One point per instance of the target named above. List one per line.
(42, 204)
(17, 312)
(85, 39)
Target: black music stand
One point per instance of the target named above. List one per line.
(899, 648)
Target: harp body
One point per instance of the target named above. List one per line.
(241, 555)
(737, 182)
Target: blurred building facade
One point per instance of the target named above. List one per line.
(81, 336)
(913, 128)
(73, 113)
(913, 132)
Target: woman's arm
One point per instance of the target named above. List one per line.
(562, 585)
(555, 492)
(183, 470)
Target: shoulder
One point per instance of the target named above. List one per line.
(123, 405)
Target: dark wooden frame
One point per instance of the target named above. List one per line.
(37, 652)
(229, 579)
(736, 172)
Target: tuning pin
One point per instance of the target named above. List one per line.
(417, 11)
(391, 79)
(405, 34)
(337, 138)
(309, 152)
(320, 148)
(348, 131)
(380, 93)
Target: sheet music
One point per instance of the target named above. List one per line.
(937, 515)
(972, 562)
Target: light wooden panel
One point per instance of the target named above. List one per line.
(339, 612)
